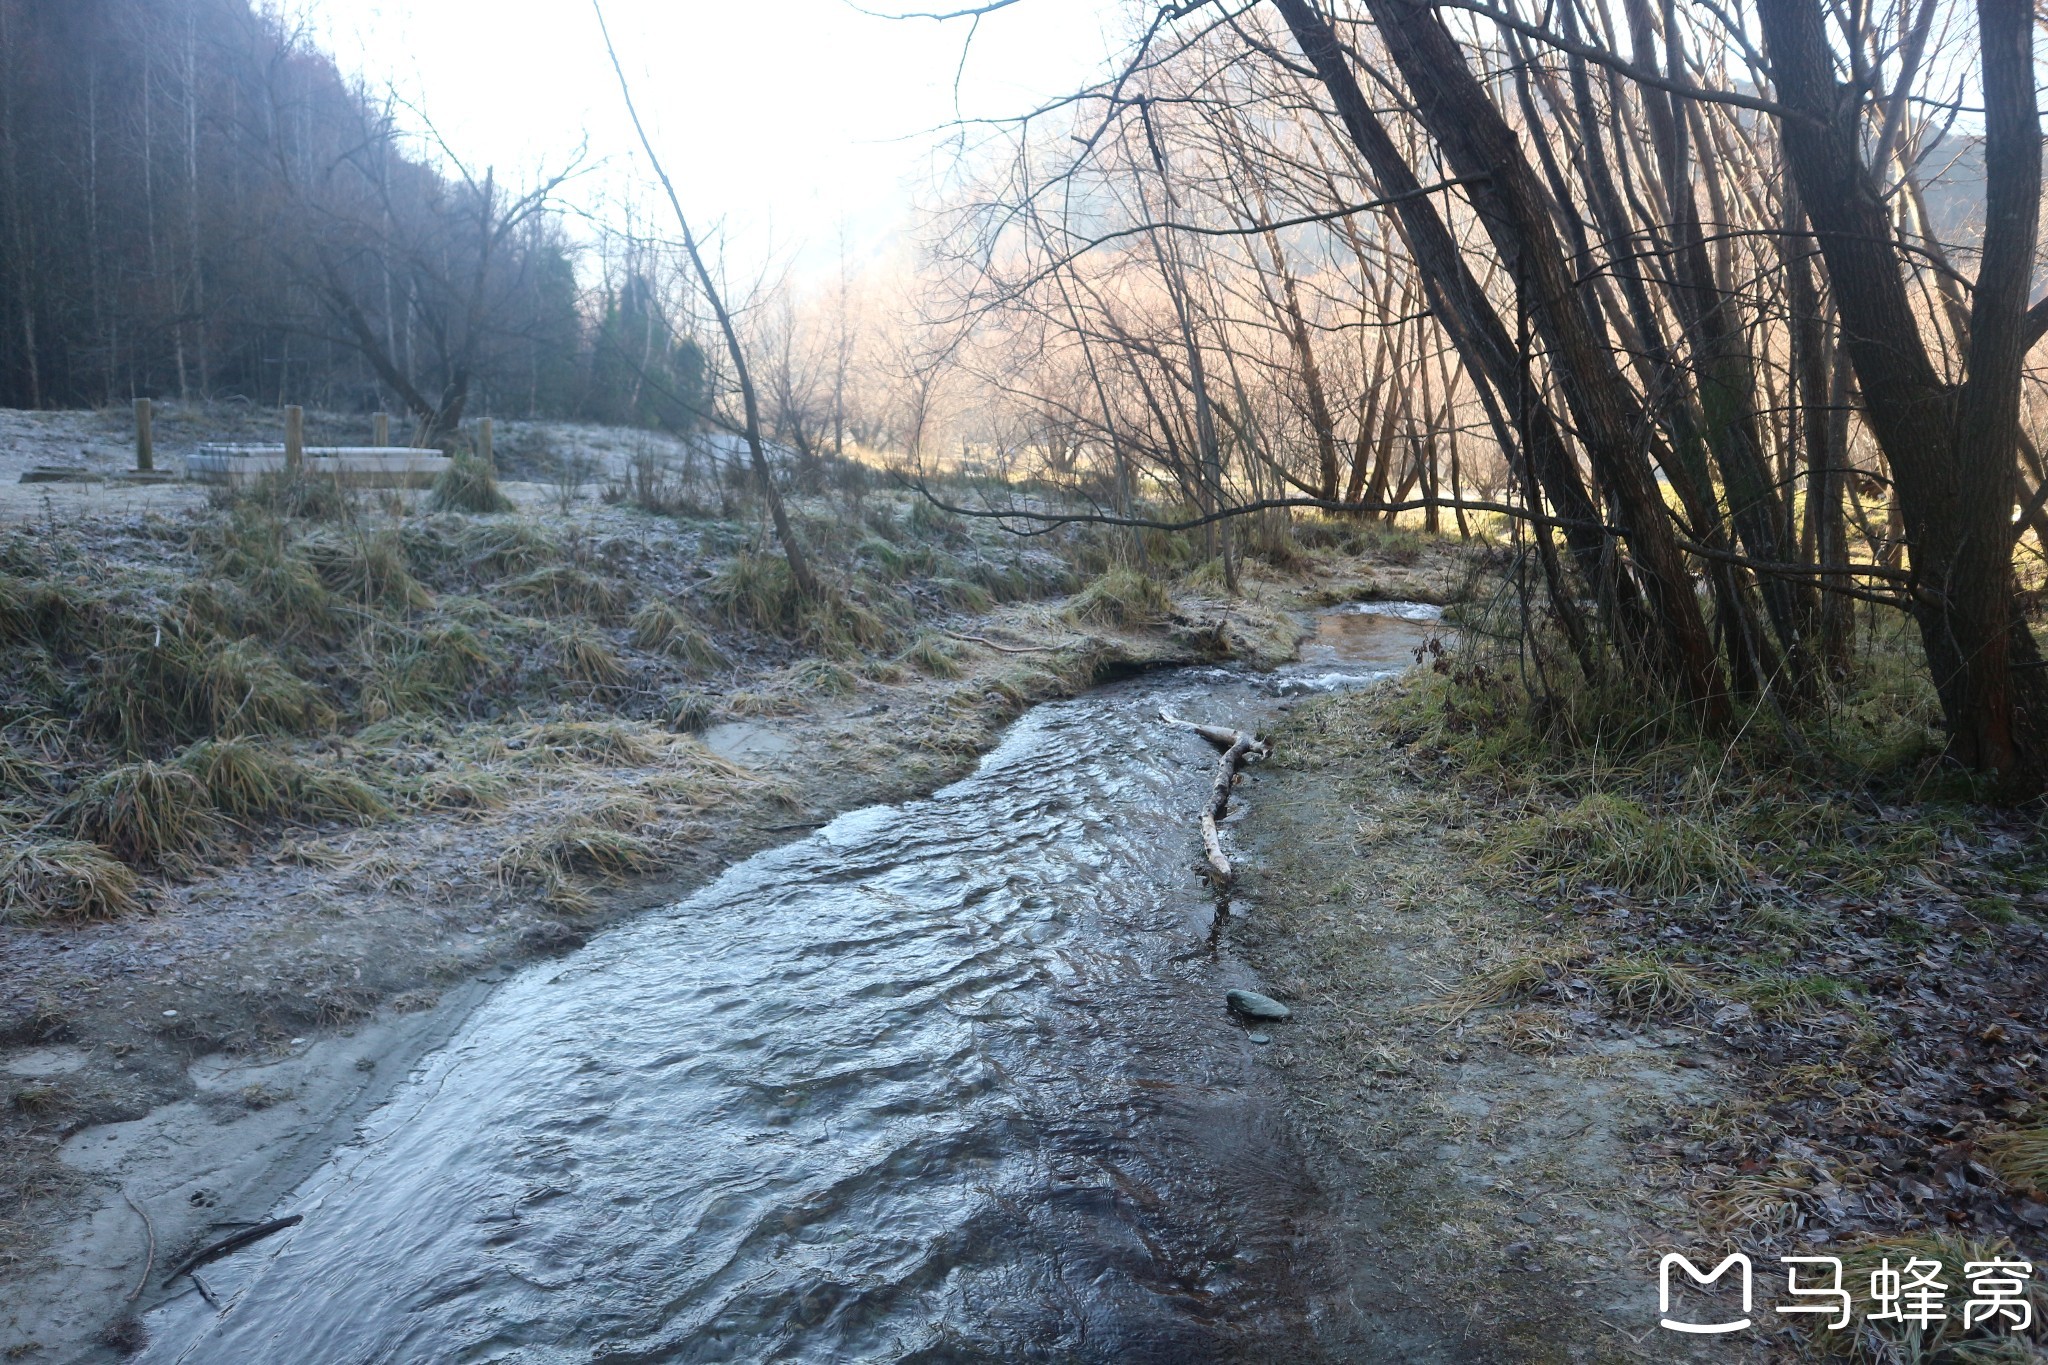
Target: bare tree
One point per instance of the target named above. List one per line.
(799, 564)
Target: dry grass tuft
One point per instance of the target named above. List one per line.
(243, 781)
(368, 569)
(421, 672)
(145, 814)
(457, 787)
(247, 783)
(583, 655)
(1121, 597)
(1534, 1032)
(2020, 1157)
(689, 711)
(935, 656)
(565, 590)
(1945, 1340)
(665, 628)
(821, 678)
(1512, 978)
(63, 879)
(551, 856)
(1644, 985)
(614, 742)
(162, 684)
(468, 485)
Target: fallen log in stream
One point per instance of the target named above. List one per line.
(1239, 747)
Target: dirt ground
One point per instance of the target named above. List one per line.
(1531, 1097)
(1490, 1159)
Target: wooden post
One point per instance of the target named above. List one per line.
(145, 438)
(383, 429)
(483, 442)
(294, 440)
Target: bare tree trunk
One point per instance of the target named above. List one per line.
(799, 564)
(1457, 298)
(1952, 451)
(1486, 154)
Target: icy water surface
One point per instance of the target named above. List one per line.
(950, 1080)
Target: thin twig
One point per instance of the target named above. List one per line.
(149, 1260)
(233, 1242)
(1004, 649)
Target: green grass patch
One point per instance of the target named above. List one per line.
(1607, 840)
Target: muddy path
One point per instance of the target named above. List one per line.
(947, 1079)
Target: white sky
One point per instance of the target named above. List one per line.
(784, 118)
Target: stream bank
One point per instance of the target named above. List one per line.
(1483, 1157)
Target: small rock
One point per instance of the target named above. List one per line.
(1252, 1005)
(1732, 1015)
(1259, 1037)
(1531, 1217)
(170, 1014)
(1514, 1251)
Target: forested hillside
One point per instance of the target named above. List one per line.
(195, 201)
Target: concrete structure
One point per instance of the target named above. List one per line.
(352, 466)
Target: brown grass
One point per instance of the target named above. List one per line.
(65, 880)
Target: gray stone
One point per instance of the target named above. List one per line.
(1252, 1005)
(1260, 1037)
